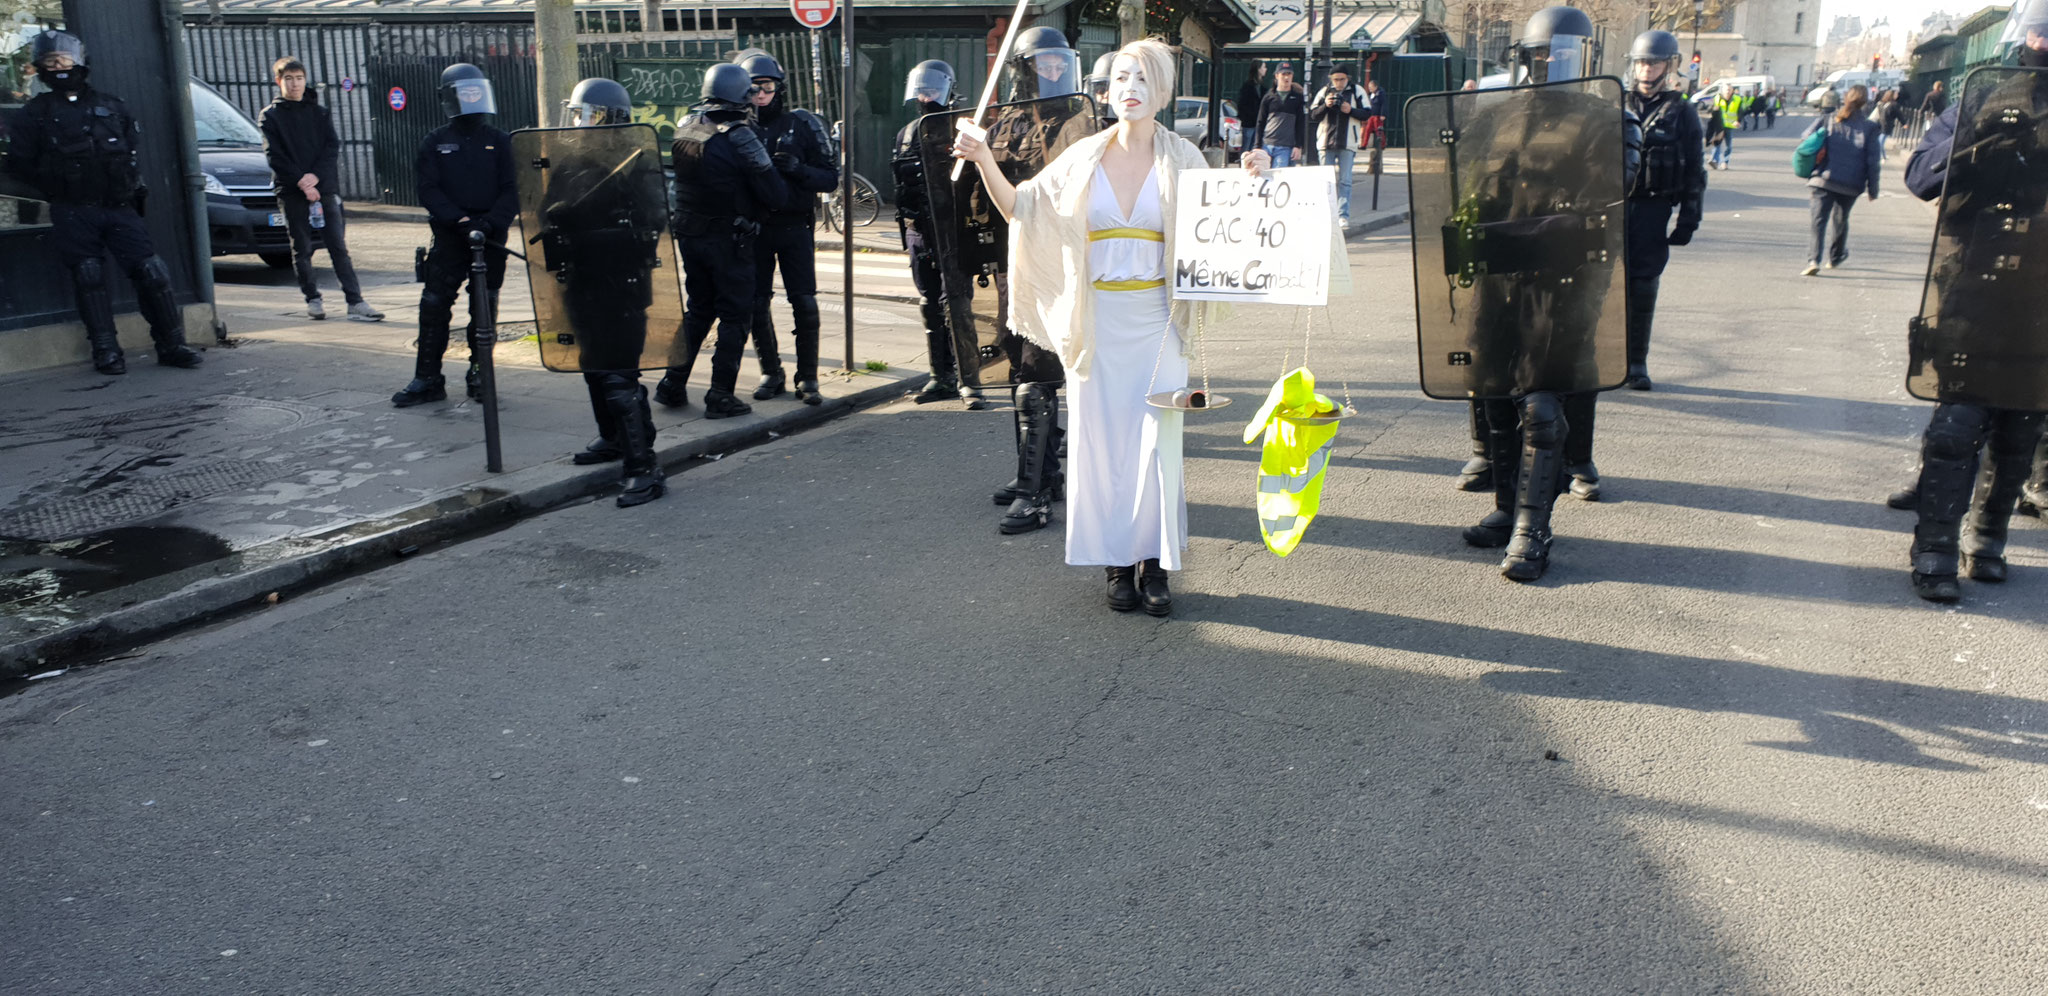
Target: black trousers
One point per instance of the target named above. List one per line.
(298, 219)
(718, 288)
(447, 268)
(81, 232)
(795, 247)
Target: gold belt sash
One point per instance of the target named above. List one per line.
(1147, 234)
(1128, 285)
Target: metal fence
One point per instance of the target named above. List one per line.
(236, 60)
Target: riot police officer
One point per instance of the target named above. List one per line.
(802, 151)
(77, 146)
(1986, 151)
(726, 184)
(467, 184)
(1673, 175)
(1098, 88)
(601, 226)
(1527, 309)
(928, 90)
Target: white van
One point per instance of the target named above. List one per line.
(1748, 86)
(1842, 79)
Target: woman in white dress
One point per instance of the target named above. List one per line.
(1091, 238)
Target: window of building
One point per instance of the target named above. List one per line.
(1799, 24)
(671, 21)
(612, 23)
(632, 21)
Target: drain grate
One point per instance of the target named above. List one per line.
(137, 498)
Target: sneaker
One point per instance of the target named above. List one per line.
(315, 309)
(362, 312)
(1811, 269)
(1344, 223)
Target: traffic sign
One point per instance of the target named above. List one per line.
(347, 83)
(396, 98)
(1361, 40)
(814, 14)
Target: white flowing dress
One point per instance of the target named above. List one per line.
(1125, 499)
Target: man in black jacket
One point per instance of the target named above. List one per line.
(1282, 119)
(726, 184)
(1248, 97)
(467, 185)
(303, 150)
(77, 146)
(801, 150)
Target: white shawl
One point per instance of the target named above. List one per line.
(1051, 302)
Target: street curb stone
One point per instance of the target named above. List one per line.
(548, 486)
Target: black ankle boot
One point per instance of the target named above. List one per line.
(724, 404)
(1152, 588)
(177, 355)
(640, 478)
(807, 392)
(672, 393)
(473, 382)
(772, 385)
(1585, 481)
(939, 388)
(600, 450)
(1123, 588)
(420, 391)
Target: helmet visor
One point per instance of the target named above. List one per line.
(1048, 72)
(473, 96)
(587, 115)
(1657, 70)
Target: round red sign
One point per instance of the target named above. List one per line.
(814, 14)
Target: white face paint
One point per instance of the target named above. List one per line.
(1130, 94)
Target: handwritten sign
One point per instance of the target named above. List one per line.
(1262, 239)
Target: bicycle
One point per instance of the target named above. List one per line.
(867, 205)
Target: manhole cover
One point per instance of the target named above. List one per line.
(136, 498)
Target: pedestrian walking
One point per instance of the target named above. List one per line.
(1283, 119)
(304, 153)
(802, 152)
(467, 184)
(1936, 101)
(1890, 115)
(78, 147)
(1773, 106)
(1846, 166)
(1338, 114)
(1249, 94)
(1727, 110)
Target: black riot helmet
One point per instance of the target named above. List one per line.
(1556, 44)
(1042, 64)
(727, 87)
(929, 82)
(763, 67)
(53, 42)
(597, 101)
(1098, 77)
(464, 90)
(2029, 17)
(1653, 58)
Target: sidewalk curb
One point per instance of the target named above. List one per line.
(1378, 224)
(476, 509)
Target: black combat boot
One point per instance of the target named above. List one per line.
(1999, 485)
(945, 382)
(96, 310)
(1500, 442)
(2034, 494)
(605, 448)
(1578, 445)
(769, 353)
(671, 392)
(1152, 588)
(1642, 308)
(1123, 588)
(1906, 498)
(773, 385)
(1477, 474)
(1055, 475)
(421, 390)
(803, 310)
(427, 383)
(1948, 473)
(640, 479)
(473, 381)
(166, 322)
(1032, 508)
(724, 404)
(1542, 472)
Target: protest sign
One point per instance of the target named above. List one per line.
(1258, 239)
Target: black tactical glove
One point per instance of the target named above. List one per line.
(1681, 235)
(788, 162)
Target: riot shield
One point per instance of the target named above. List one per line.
(594, 209)
(973, 239)
(1981, 336)
(1518, 197)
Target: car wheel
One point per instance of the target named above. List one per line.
(276, 260)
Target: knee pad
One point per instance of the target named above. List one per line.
(1037, 399)
(434, 297)
(90, 274)
(1543, 420)
(1956, 431)
(805, 309)
(153, 273)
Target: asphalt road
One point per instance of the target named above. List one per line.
(809, 725)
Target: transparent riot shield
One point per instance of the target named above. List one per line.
(1981, 336)
(594, 208)
(1518, 197)
(973, 238)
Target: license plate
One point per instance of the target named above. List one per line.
(276, 219)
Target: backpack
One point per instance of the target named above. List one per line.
(1812, 154)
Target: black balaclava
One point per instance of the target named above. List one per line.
(64, 80)
(2033, 58)
(467, 124)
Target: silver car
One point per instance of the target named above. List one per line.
(1191, 117)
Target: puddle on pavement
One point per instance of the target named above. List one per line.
(39, 576)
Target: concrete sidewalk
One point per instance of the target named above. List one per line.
(134, 504)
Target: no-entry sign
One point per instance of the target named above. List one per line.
(814, 14)
(396, 98)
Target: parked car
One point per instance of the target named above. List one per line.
(241, 203)
(1191, 116)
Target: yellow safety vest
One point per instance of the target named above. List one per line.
(1295, 455)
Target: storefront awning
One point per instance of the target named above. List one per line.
(1388, 28)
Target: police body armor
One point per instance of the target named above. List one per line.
(971, 236)
(1981, 337)
(913, 197)
(602, 269)
(86, 156)
(1664, 176)
(705, 204)
(1518, 198)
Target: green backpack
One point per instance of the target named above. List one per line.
(1812, 154)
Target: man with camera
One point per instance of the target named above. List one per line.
(1338, 114)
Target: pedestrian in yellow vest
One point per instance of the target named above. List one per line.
(1728, 114)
